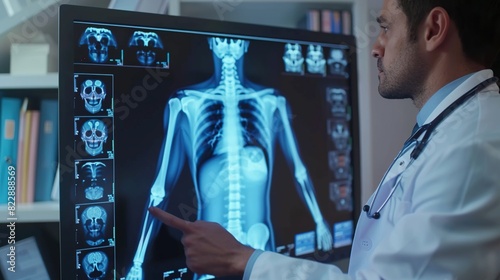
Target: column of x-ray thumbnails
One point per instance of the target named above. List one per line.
(94, 193)
(333, 65)
(102, 45)
(340, 147)
(315, 62)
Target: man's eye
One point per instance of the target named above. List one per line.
(384, 28)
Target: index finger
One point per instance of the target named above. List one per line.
(170, 220)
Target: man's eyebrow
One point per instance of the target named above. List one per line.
(381, 19)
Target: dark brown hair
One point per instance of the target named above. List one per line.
(478, 24)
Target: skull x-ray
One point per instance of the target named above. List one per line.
(92, 94)
(337, 99)
(99, 44)
(93, 135)
(96, 264)
(340, 164)
(147, 46)
(94, 181)
(95, 225)
(341, 195)
(337, 63)
(339, 134)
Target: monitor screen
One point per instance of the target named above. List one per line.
(252, 127)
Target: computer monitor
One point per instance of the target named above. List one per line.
(252, 127)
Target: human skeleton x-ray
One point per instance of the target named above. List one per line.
(225, 130)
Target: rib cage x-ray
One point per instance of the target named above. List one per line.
(226, 130)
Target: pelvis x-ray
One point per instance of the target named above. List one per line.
(225, 130)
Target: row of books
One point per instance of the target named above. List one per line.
(28, 146)
(330, 21)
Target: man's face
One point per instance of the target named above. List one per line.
(400, 64)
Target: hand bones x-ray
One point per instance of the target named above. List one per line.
(226, 129)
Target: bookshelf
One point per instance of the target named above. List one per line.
(282, 13)
(46, 81)
(38, 211)
(33, 213)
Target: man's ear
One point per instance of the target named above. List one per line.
(436, 27)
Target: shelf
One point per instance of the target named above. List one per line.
(31, 213)
(45, 81)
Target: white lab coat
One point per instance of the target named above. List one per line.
(443, 220)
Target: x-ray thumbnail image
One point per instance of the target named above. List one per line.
(293, 59)
(146, 48)
(94, 137)
(337, 99)
(337, 62)
(340, 164)
(339, 134)
(315, 60)
(94, 225)
(97, 45)
(94, 181)
(96, 264)
(93, 95)
(341, 195)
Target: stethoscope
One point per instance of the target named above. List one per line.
(426, 130)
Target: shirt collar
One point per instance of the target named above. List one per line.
(439, 96)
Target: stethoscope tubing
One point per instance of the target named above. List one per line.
(427, 130)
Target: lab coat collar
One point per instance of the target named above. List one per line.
(467, 85)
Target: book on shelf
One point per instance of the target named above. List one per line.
(47, 151)
(9, 123)
(28, 143)
(32, 155)
(311, 21)
(326, 20)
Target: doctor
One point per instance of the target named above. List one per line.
(436, 213)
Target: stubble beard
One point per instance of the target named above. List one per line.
(405, 78)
